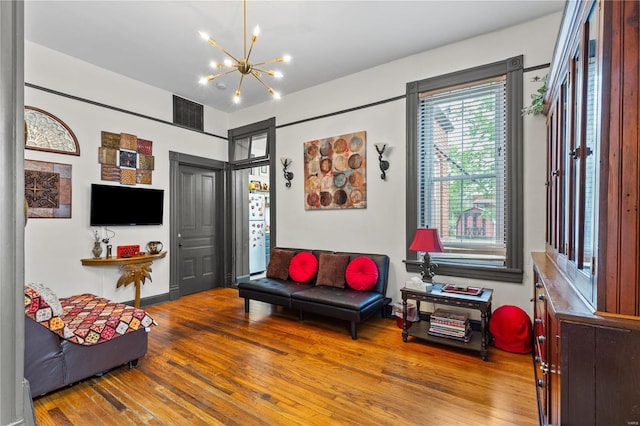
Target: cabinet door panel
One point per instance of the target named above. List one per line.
(618, 372)
(578, 375)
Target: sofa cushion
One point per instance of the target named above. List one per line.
(337, 297)
(279, 264)
(272, 286)
(362, 273)
(37, 308)
(303, 267)
(48, 296)
(331, 269)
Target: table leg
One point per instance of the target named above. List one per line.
(405, 333)
(483, 332)
(136, 302)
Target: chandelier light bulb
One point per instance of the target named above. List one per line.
(242, 64)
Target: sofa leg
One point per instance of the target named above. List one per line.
(301, 316)
(133, 363)
(354, 330)
(246, 304)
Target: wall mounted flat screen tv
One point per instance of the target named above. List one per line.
(113, 205)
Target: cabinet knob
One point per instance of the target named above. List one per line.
(536, 358)
(540, 383)
(575, 153)
(538, 285)
(541, 339)
(541, 297)
(537, 321)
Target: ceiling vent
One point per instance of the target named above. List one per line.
(188, 114)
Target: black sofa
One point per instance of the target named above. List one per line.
(345, 303)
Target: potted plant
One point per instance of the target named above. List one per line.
(537, 99)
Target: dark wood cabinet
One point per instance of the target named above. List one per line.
(587, 283)
(587, 364)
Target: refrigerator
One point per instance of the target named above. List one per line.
(257, 229)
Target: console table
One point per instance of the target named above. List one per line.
(135, 269)
(482, 303)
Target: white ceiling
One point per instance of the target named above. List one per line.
(157, 42)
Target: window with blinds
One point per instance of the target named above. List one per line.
(461, 169)
(465, 170)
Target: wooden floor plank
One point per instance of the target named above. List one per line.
(211, 363)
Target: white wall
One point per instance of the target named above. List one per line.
(54, 247)
(380, 228)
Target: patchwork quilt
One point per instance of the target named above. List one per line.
(84, 319)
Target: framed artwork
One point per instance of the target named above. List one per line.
(44, 131)
(47, 189)
(126, 158)
(335, 172)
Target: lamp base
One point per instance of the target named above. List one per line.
(428, 268)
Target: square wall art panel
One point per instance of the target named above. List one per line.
(125, 158)
(335, 172)
(47, 189)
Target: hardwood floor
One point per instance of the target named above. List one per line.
(209, 363)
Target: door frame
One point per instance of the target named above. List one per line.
(177, 159)
(268, 126)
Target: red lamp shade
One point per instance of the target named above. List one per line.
(426, 240)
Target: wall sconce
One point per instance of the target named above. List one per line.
(287, 175)
(384, 165)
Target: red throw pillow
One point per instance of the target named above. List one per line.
(303, 267)
(362, 273)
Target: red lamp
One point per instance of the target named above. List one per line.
(427, 240)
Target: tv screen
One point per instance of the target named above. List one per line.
(121, 205)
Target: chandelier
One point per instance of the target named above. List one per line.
(243, 66)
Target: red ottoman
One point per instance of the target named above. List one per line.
(511, 329)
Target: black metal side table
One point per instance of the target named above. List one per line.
(482, 302)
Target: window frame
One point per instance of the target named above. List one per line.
(265, 127)
(512, 69)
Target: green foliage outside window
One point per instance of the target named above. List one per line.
(476, 157)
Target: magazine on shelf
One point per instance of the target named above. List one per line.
(449, 316)
(444, 333)
(463, 338)
(451, 330)
(462, 327)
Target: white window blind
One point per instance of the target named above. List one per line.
(461, 170)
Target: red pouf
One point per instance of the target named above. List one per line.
(511, 329)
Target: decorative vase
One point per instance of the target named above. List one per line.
(154, 247)
(97, 249)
